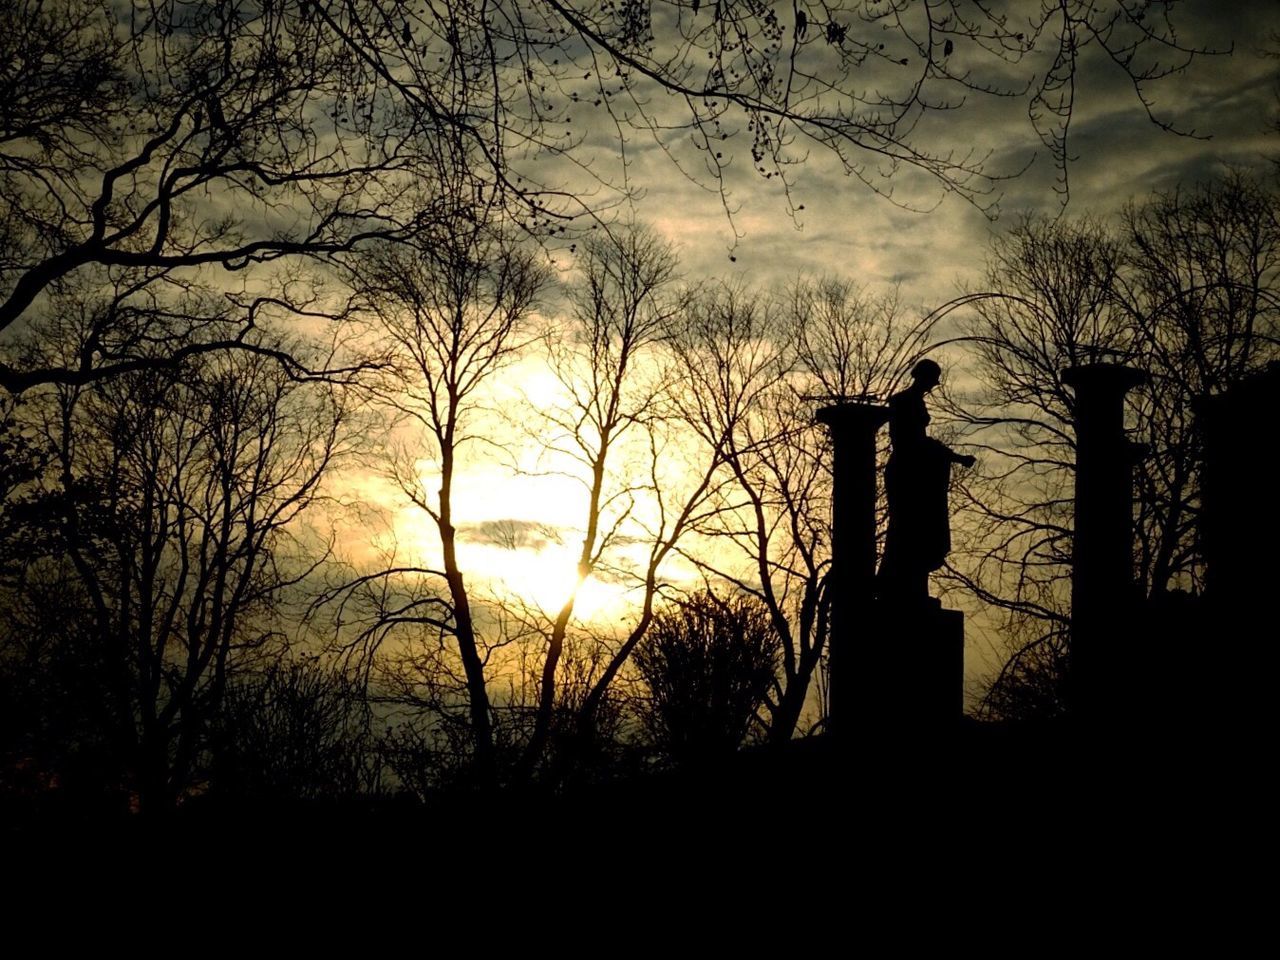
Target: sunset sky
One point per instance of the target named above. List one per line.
(1229, 101)
(522, 530)
(1118, 154)
(305, 398)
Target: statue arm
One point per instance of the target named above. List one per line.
(964, 459)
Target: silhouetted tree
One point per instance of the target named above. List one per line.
(1203, 288)
(619, 425)
(1054, 306)
(301, 730)
(451, 310)
(177, 498)
(1033, 680)
(754, 365)
(206, 145)
(176, 151)
(708, 664)
(22, 461)
(606, 359)
(851, 78)
(1185, 290)
(56, 712)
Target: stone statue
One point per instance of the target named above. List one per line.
(916, 481)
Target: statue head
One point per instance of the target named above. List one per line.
(926, 374)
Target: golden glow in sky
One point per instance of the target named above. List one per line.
(519, 508)
(518, 540)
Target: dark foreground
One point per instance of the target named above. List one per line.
(973, 793)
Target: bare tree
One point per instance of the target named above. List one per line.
(300, 729)
(1052, 305)
(23, 459)
(182, 146)
(1203, 272)
(677, 490)
(176, 500)
(850, 343)
(611, 431)
(1185, 291)
(858, 80)
(755, 365)
(620, 311)
(212, 144)
(1049, 303)
(451, 309)
(733, 372)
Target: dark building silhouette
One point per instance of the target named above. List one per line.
(1240, 537)
(1240, 527)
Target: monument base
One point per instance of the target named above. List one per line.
(913, 676)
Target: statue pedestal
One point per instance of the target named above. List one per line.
(914, 668)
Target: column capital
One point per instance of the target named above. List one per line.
(1107, 376)
(853, 415)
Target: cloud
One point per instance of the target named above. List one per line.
(845, 228)
(512, 534)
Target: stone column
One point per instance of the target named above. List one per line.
(853, 545)
(1233, 694)
(1103, 593)
(1240, 516)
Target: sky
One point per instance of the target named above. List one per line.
(1225, 102)
(836, 224)
(1228, 99)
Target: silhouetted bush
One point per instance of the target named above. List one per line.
(300, 731)
(1033, 683)
(708, 664)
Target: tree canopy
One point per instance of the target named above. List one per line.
(189, 167)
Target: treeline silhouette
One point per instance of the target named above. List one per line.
(270, 274)
(181, 629)
(1181, 287)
